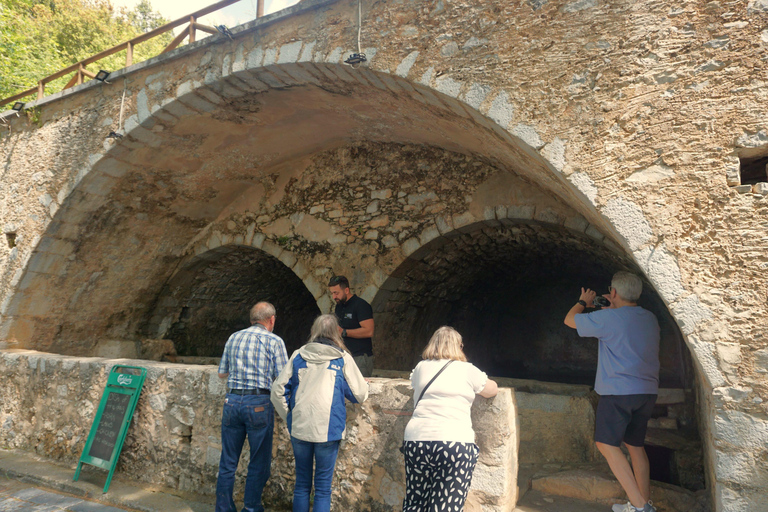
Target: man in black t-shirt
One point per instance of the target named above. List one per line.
(356, 323)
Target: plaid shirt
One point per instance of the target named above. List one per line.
(253, 358)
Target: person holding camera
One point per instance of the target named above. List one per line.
(627, 381)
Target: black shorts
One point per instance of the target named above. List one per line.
(623, 418)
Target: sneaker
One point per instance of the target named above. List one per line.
(628, 507)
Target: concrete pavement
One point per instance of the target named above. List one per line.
(32, 484)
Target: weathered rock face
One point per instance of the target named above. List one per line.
(618, 124)
(175, 437)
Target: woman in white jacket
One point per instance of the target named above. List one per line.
(309, 395)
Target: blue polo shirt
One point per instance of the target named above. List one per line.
(628, 354)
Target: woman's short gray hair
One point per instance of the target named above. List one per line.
(327, 326)
(629, 286)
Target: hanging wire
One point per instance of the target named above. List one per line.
(122, 104)
(357, 58)
(359, 24)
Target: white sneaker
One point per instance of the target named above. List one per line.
(628, 507)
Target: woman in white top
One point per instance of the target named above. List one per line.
(440, 450)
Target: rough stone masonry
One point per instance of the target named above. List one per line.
(519, 145)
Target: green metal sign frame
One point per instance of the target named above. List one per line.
(113, 417)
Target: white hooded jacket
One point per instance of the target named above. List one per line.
(309, 393)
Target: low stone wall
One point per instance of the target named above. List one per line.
(48, 402)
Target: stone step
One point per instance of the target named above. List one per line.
(535, 501)
(595, 483)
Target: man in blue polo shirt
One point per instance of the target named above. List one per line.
(251, 361)
(627, 381)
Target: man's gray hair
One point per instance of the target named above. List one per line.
(629, 286)
(262, 311)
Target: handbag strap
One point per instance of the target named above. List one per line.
(431, 381)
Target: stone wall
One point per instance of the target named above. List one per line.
(49, 402)
(623, 122)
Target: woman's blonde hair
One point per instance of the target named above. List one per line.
(326, 326)
(445, 344)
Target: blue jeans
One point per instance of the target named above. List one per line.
(250, 415)
(324, 455)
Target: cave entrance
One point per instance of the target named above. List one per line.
(211, 296)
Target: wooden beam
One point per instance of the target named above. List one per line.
(176, 41)
(128, 54)
(40, 90)
(259, 8)
(205, 28)
(71, 83)
(191, 30)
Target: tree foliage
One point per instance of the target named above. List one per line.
(40, 37)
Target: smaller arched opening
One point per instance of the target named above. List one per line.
(210, 298)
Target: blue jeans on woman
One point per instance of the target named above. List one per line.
(324, 457)
(254, 417)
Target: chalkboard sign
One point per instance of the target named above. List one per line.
(110, 425)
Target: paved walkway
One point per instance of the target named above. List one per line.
(31, 484)
(18, 496)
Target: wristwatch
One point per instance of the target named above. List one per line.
(343, 333)
(581, 302)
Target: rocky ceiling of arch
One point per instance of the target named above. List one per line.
(490, 257)
(205, 161)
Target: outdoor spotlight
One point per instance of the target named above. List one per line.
(223, 30)
(355, 58)
(17, 106)
(102, 75)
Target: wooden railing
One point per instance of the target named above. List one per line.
(80, 71)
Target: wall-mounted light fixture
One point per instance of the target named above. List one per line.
(102, 76)
(18, 106)
(355, 58)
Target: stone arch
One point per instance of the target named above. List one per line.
(297, 66)
(210, 294)
(505, 282)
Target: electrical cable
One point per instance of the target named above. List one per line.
(357, 58)
(122, 104)
(359, 24)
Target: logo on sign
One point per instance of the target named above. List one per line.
(124, 380)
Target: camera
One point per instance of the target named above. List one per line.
(601, 302)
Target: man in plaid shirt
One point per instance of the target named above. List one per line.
(251, 361)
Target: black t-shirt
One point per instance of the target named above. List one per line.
(350, 314)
